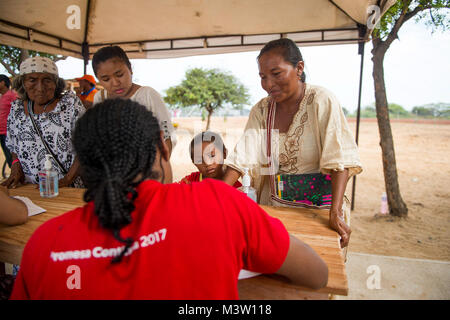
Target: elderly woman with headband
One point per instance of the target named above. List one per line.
(41, 122)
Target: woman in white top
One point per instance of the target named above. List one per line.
(113, 70)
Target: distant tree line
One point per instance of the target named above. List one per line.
(396, 111)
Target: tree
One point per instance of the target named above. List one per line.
(423, 111)
(368, 112)
(435, 16)
(11, 57)
(208, 89)
(397, 110)
(439, 110)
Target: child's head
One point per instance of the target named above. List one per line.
(207, 153)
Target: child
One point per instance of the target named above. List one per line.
(207, 153)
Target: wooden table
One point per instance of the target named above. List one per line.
(13, 239)
(310, 226)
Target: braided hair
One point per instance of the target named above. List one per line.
(115, 142)
(289, 51)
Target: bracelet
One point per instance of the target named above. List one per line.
(14, 161)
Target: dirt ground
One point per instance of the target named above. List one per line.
(422, 152)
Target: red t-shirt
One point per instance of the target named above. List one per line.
(191, 241)
(5, 107)
(197, 177)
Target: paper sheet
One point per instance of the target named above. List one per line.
(32, 208)
(244, 274)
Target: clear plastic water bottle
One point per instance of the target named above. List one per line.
(48, 180)
(384, 204)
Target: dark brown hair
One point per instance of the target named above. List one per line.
(288, 49)
(107, 53)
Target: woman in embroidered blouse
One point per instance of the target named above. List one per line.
(313, 134)
(55, 113)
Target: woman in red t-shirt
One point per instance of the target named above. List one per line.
(142, 237)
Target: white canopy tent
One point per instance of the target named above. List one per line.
(177, 28)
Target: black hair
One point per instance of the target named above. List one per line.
(289, 50)
(6, 80)
(206, 136)
(115, 141)
(107, 53)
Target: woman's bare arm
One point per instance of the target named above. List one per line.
(231, 176)
(12, 211)
(338, 184)
(303, 266)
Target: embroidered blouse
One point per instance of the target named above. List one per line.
(318, 140)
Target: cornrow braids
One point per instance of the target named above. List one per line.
(115, 141)
(288, 49)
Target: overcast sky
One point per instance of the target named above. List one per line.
(416, 67)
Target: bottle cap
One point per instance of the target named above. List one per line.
(48, 163)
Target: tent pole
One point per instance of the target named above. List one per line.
(85, 53)
(358, 113)
(85, 45)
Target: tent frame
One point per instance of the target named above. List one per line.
(319, 37)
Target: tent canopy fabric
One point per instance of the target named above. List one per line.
(175, 28)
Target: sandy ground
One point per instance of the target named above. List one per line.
(422, 151)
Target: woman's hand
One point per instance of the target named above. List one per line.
(64, 182)
(338, 224)
(67, 180)
(338, 183)
(17, 177)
